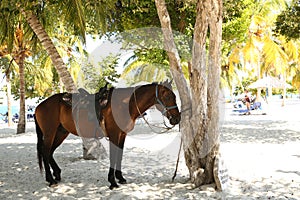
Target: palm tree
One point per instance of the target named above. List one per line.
(75, 13)
(296, 80)
(76, 17)
(292, 47)
(73, 9)
(58, 62)
(7, 66)
(262, 52)
(19, 51)
(51, 49)
(22, 51)
(139, 71)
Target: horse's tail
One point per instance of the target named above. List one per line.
(39, 144)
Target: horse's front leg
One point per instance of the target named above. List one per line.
(118, 172)
(113, 149)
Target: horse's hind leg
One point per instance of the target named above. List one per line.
(55, 167)
(48, 141)
(60, 136)
(46, 134)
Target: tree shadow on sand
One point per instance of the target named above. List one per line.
(148, 175)
(265, 131)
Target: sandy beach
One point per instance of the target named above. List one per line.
(262, 154)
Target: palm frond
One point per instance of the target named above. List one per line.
(291, 50)
(274, 57)
(251, 52)
(296, 80)
(234, 58)
(75, 14)
(133, 66)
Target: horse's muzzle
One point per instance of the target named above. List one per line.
(175, 120)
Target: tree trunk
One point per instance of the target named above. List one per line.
(174, 59)
(51, 50)
(19, 58)
(22, 119)
(64, 75)
(200, 111)
(8, 95)
(284, 90)
(214, 63)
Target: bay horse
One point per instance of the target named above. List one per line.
(54, 121)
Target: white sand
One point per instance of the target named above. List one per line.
(262, 153)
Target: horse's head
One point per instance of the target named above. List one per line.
(166, 103)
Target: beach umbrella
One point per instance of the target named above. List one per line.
(269, 81)
(260, 83)
(280, 84)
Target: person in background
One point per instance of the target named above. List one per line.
(5, 117)
(247, 99)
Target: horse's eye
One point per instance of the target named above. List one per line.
(168, 98)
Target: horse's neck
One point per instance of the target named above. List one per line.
(142, 100)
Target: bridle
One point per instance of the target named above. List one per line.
(165, 110)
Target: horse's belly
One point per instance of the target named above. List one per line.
(87, 124)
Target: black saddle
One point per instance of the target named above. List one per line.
(85, 100)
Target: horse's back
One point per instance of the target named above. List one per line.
(49, 105)
(47, 112)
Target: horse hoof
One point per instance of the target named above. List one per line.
(122, 181)
(52, 185)
(112, 186)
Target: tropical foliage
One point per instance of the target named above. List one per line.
(42, 42)
(263, 52)
(287, 22)
(94, 76)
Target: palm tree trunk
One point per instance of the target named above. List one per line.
(284, 90)
(8, 95)
(51, 50)
(64, 75)
(22, 120)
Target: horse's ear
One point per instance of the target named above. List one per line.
(103, 89)
(106, 85)
(168, 83)
(165, 83)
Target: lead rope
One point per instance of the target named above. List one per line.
(151, 125)
(175, 172)
(167, 129)
(178, 156)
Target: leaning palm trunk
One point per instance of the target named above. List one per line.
(51, 50)
(200, 111)
(64, 74)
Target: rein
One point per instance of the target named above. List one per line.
(166, 128)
